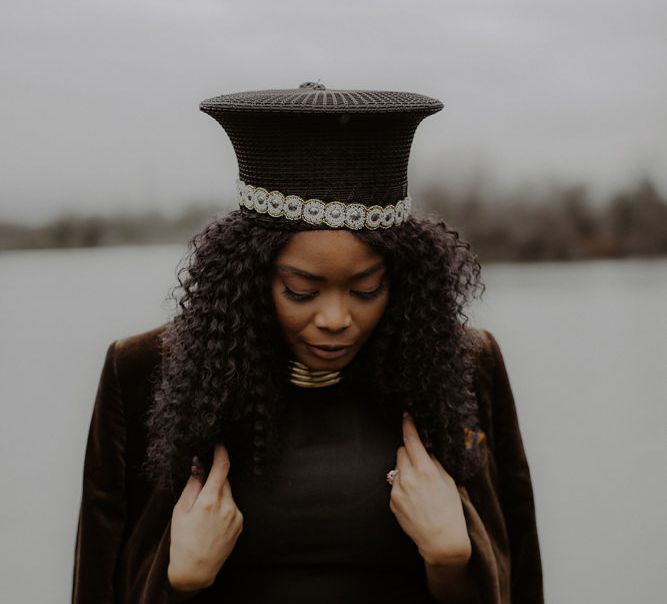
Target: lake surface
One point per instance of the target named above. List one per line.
(584, 346)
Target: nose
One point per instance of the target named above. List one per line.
(333, 314)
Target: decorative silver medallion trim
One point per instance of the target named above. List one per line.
(276, 204)
(374, 216)
(293, 207)
(335, 214)
(246, 197)
(313, 211)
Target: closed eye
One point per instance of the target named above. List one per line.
(365, 295)
(297, 297)
(371, 294)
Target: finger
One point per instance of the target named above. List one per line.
(226, 493)
(401, 479)
(190, 492)
(403, 463)
(404, 467)
(413, 443)
(219, 470)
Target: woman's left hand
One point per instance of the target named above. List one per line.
(427, 504)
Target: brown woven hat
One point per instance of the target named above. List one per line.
(312, 157)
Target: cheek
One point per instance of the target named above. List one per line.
(372, 315)
(292, 320)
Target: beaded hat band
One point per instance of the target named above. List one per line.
(334, 214)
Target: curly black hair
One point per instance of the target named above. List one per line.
(224, 373)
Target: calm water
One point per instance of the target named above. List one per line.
(584, 346)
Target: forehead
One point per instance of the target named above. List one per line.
(322, 251)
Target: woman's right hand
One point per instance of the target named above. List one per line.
(205, 525)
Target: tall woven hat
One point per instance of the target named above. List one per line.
(313, 157)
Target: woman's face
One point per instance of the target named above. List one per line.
(330, 290)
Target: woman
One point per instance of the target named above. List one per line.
(317, 422)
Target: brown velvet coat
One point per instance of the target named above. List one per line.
(123, 536)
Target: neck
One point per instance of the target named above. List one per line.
(301, 375)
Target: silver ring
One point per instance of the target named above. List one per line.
(391, 475)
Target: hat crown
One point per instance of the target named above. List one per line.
(315, 97)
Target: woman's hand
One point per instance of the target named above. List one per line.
(205, 525)
(427, 504)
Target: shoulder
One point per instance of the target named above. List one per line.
(136, 356)
(139, 348)
(490, 380)
(132, 363)
(484, 348)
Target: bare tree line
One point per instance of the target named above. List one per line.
(562, 225)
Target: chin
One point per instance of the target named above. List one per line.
(322, 365)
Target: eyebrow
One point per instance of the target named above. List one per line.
(297, 271)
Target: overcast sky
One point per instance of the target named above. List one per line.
(99, 104)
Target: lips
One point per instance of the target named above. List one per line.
(330, 347)
(328, 351)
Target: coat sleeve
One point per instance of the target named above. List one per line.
(498, 498)
(102, 512)
(514, 486)
(97, 576)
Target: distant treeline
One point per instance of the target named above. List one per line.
(76, 230)
(562, 225)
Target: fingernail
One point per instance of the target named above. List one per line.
(405, 414)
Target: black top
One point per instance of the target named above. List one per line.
(325, 532)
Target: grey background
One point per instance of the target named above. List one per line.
(100, 99)
(99, 113)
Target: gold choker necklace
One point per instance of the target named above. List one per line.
(300, 375)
